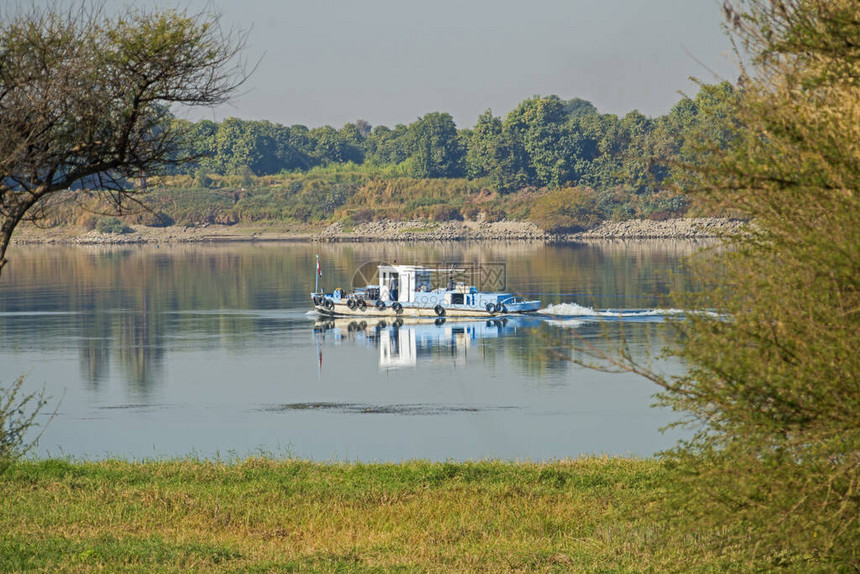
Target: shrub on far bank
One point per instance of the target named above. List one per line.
(112, 225)
(151, 218)
(362, 215)
(87, 221)
(445, 213)
(470, 212)
(566, 210)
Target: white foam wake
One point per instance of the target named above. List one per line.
(565, 323)
(569, 309)
(574, 310)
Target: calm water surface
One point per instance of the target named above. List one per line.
(211, 351)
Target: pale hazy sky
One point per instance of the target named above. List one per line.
(392, 61)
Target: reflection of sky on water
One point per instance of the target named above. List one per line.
(203, 350)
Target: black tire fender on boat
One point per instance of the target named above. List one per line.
(490, 308)
(328, 304)
(439, 310)
(350, 303)
(380, 304)
(398, 308)
(317, 300)
(362, 305)
(500, 308)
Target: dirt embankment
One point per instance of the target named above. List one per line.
(387, 231)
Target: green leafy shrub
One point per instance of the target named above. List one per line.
(112, 225)
(151, 218)
(202, 179)
(623, 213)
(566, 210)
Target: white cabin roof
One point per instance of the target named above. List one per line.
(408, 268)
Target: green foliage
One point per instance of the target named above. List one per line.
(335, 191)
(17, 418)
(310, 197)
(569, 210)
(539, 133)
(149, 218)
(543, 142)
(772, 477)
(334, 146)
(437, 151)
(699, 131)
(389, 147)
(490, 154)
(202, 179)
(111, 225)
(631, 163)
(404, 198)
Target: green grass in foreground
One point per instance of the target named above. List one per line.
(264, 515)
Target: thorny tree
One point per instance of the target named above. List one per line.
(772, 477)
(85, 100)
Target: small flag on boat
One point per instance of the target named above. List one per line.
(319, 270)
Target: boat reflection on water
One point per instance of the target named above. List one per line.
(406, 342)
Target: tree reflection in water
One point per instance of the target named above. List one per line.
(127, 307)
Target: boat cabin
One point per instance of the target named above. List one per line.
(404, 283)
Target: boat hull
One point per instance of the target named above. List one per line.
(407, 310)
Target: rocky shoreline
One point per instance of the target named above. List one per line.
(524, 230)
(419, 230)
(701, 227)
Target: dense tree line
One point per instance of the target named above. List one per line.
(543, 142)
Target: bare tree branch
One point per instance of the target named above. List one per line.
(85, 99)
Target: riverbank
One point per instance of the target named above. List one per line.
(419, 230)
(265, 515)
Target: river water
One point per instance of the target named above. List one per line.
(211, 351)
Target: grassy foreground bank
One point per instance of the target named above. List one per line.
(264, 515)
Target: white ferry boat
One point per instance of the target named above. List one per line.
(407, 291)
